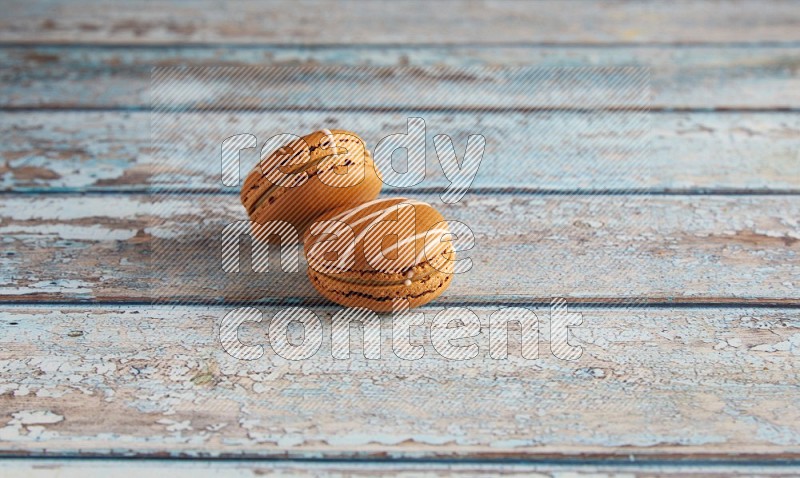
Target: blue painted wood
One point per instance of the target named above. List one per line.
(545, 151)
(681, 78)
(404, 22)
(588, 248)
(655, 386)
(687, 384)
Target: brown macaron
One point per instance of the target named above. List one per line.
(382, 250)
(309, 176)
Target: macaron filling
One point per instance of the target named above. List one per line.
(379, 296)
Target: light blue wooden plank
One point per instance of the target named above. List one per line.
(696, 77)
(657, 384)
(414, 21)
(689, 152)
(529, 248)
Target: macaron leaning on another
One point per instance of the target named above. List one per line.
(375, 253)
(302, 178)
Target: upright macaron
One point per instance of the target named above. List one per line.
(306, 177)
(379, 251)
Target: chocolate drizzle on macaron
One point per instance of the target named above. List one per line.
(361, 251)
(385, 249)
(309, 176)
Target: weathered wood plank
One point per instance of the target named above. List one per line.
(390, 88)
(651, 384)
(122, 468)
(319, 22)
(698, 77)
(111, 151)
(528, 248)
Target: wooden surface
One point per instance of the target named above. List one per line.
(681, 249)
(405, 22)
(686, 270)
(69, 151)
(694, 77)
(206, 468)
(652, 382)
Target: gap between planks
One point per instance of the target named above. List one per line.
(123, 467)
(409, 110)
(77, 45)
(610, 303)
(41, 191)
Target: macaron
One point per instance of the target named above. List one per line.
(308, 176)
(374, 253)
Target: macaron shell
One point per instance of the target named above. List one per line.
(303, 206)
(313, 148)
(367, 216)
(300, 205)
(356, 282)
(340, 289)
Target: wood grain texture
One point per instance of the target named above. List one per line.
(111, 151)
(683, 78)
(707, 387)
(681, 249)
(415, 22)
(122, 468)
(651, 384)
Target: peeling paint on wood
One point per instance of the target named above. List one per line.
(663, 248)
(651, 383)
(682, 78)
(111, 151)
(686, 389)
(602, 22)
(723, 78)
